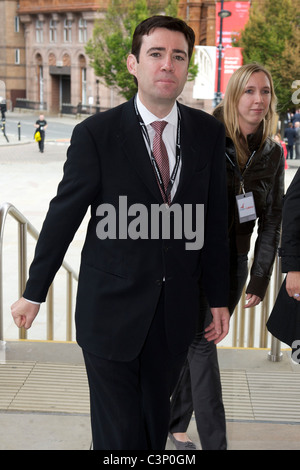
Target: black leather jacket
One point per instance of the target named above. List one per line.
(265, 178)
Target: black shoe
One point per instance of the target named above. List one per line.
(187, 445)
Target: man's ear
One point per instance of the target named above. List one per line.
(131, 64)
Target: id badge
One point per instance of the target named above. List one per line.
(246, 207)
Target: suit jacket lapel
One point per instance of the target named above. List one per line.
(134, 146)
(189, 149)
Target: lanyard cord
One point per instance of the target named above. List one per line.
(152, 158)
(237, 170)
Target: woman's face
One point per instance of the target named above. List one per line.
(254, 102)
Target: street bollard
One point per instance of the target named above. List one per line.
(3, 130)
(19, 131)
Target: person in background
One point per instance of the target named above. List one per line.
(282, 143)
(3, 109)
(137, 299)
(41, 125)
(290, 136)
(255, 183)
(297, 139)
(296, 117)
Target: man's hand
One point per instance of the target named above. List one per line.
(24, 312)
(293, 284)
(219, 326)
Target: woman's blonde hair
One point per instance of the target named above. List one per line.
(229, 106)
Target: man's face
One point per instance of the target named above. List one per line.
(162, 68)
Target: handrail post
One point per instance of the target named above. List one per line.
(50, 321)
(275, 354)
(69, 306)
(22, 266)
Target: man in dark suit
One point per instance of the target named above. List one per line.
(137, 300)
(290, 135)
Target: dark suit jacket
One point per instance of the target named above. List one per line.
(121, 279)
(284, 320)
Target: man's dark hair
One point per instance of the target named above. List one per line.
(161, 21)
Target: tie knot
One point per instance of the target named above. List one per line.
(159, 126)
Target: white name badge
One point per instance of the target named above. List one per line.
(246, 207)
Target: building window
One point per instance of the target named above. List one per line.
(82, 30)
(17, 56)
(39, 31)
(17, 24)
(67, 30)
(53, 31)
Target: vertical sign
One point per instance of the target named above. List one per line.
(232, 25)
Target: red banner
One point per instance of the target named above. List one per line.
(233, 59)
(232, 25)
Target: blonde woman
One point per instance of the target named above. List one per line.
(255, 175)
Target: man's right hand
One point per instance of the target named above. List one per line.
(24, 312)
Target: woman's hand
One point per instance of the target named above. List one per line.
(252, 300)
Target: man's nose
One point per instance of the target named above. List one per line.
(168, 64)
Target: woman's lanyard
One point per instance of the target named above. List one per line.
(237, 170)
(245, 202)
(152, 158)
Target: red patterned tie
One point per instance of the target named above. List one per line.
(161, 156)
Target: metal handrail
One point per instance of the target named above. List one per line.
(243, 335)
(26, 227)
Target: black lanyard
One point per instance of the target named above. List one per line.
(152, 158)
(237, 170)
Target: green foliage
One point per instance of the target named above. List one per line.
(112, 36)
(271, 38)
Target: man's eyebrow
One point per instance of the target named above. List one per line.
(178, 51)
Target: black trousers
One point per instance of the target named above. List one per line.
(130, 401)
(42, 141)
(199, 387)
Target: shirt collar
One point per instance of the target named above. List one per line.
(148, 117)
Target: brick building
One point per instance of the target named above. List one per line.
(57, 69)
(12, 53)
(200, 15)
(53, 66)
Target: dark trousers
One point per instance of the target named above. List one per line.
(130, 401)
(290, 149)
(42, 141)
(199, 387)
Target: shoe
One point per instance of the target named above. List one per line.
(187, 445)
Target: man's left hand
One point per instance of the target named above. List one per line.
(219, 326)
